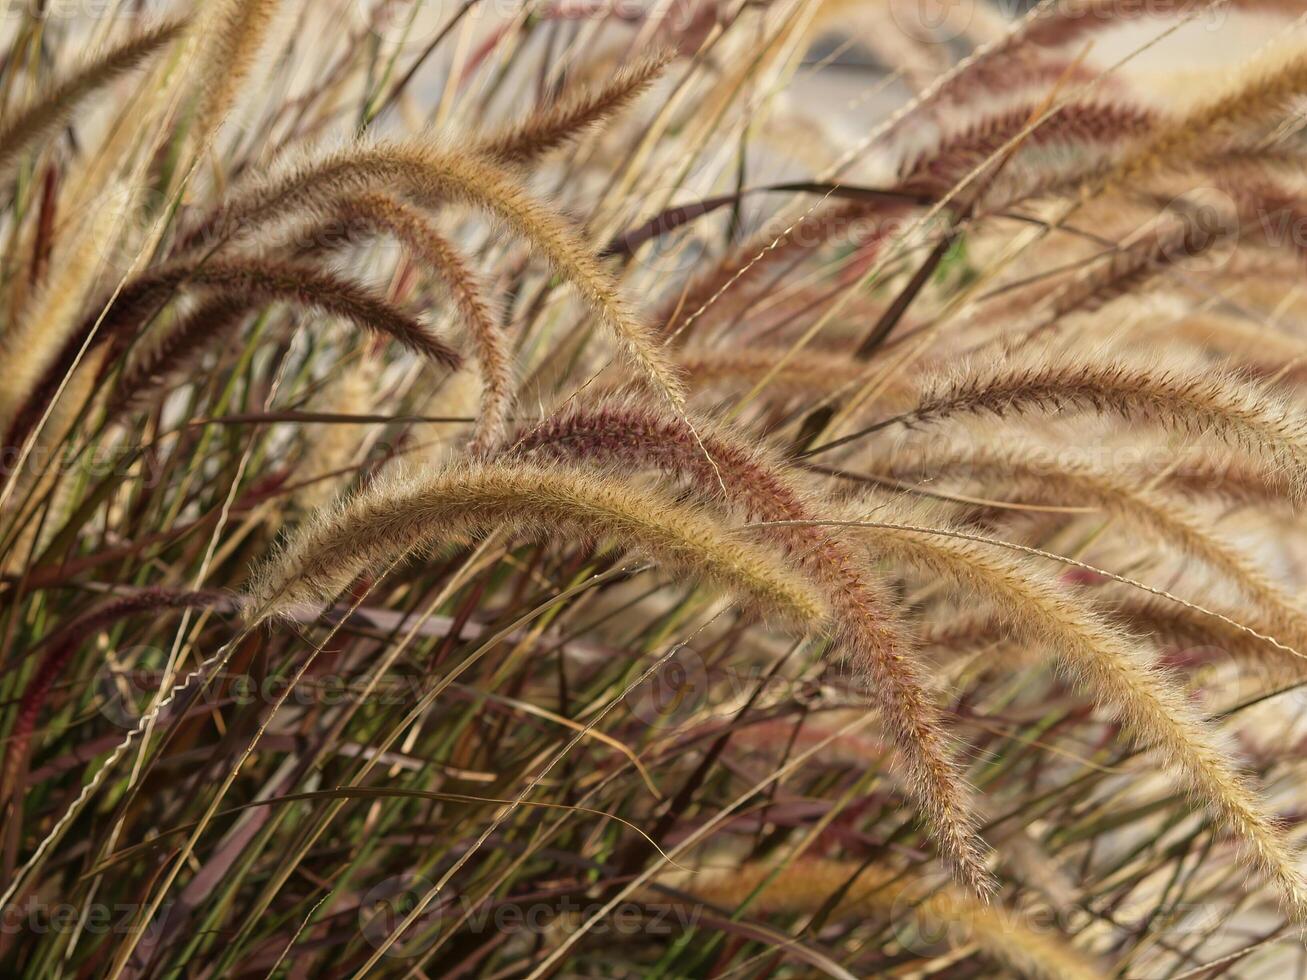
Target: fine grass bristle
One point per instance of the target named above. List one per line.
(443, 259)
(1109, 667)
(866, 539)
(715, 463)
(233, 32)
(256, 281)
(1032, 472)
(572, 115)
(414, 514)
(44, 116)
(1181, 398)
(431, 174)
(45, 339)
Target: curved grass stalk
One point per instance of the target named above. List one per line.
(234, 31)
(432, 174)
(1167, 622)
(247, 280)
(1113, 669)
(41, 119)
(571, 116)
(1267, 82)
(1034, 473)
(867, 628)
(214, 321)
(441, 257)
(790, 372)
(1186, 399)
(46, 338)
(413, 514)
(63, 644)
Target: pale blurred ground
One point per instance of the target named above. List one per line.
(851, 95)
(841, 88)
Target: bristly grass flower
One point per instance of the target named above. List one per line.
(686, 489)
